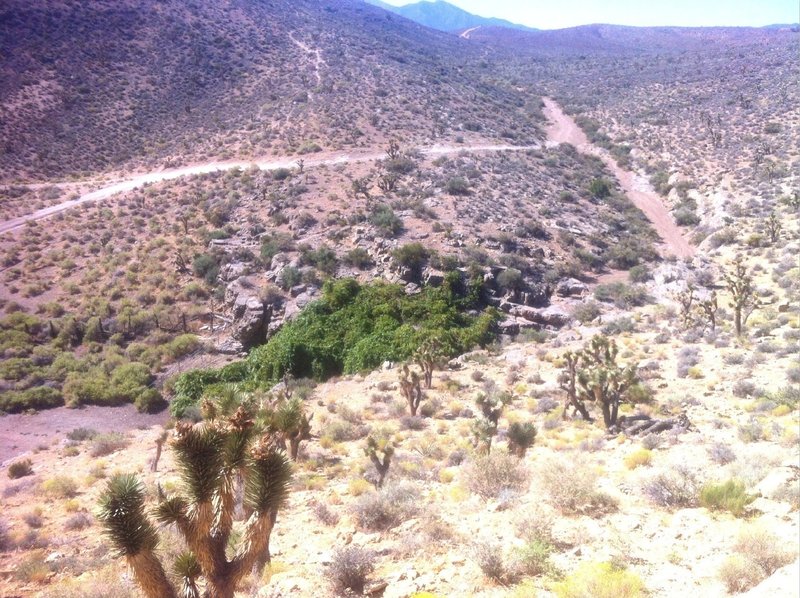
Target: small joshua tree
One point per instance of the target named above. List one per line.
(484, 428)
(686, 299)
(774, 227)
(520, 438)
(162, 438)
(602, 380)
(569, 383)
(427, 357)
(380, 452)
(411, 389)
(743, 294)
(709, 307)
(211, 456)
(292, 425)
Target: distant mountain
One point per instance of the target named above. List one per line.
(444, 16)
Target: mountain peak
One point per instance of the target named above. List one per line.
(441, 15)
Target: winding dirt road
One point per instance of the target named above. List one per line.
(563, 129)
(273, 164)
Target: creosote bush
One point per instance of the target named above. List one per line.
(350, 568)
(758, 555)
(20, 469)
(493, 474)
(571, 487)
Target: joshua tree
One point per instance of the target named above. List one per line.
(387, 182)
(162, 438)
(686, 299)
(291, 424)
(568, 381)
(410, 388)
(484, 428)
(380, 452)
(709, 308)
(361, 187)
(743, 294)
(601, 379)
(426, 357)
(211, 455)
(393, 151)
(774, 227)
(520, 438)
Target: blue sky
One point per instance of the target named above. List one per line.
(554, 14)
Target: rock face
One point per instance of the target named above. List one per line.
(251, 318)
(551, 317)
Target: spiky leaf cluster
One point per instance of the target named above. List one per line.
(122, 514)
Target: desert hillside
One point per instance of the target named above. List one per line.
(306, 299)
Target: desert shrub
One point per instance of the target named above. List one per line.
(105, 584)
(620, 326)
(640, 273)
(150, 401)
(60, 487)
(534, 558)
(273, 244)
(78, 521)
(676, 488)
(492, 562)
(20, 469)
(457, 186)
(388, 507)
(491, 475)
(349, 569)
(745, 388)
(411, 255)
(358, 258)
(81, 434)
(721, 454)
(599, 188)
(758, 555)
(510, 279)
(572, 487)
(37, 397)
(740, 574)
(386, 221)
(639, 458)
(289, 277)
(752, 431)
(324, 513)
(322, 258)
(586, 312)
(105, 444)
(33, 568)
(730, 495)
(622, 295)
(6, 543)
(600, 580)
(205, 266)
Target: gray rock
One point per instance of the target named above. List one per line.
(570, 287)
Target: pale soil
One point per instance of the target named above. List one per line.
(563, 129)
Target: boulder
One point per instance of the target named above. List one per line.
(571, 287)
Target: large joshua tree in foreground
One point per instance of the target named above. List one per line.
(212, 457)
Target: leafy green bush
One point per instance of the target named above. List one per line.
(600, 188)
(730, 495)
(39, 397)
(412, 255)
(205, 266)
(352, 328)
(457, 186)
(386, 221)
(149, 401)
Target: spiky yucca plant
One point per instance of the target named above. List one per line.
(211, 456)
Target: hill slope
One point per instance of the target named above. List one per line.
(249, 79)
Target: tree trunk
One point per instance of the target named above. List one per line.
(265, 558)
(150, 575)
(737, 321)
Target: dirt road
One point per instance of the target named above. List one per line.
(563, 129)
(271, 164)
